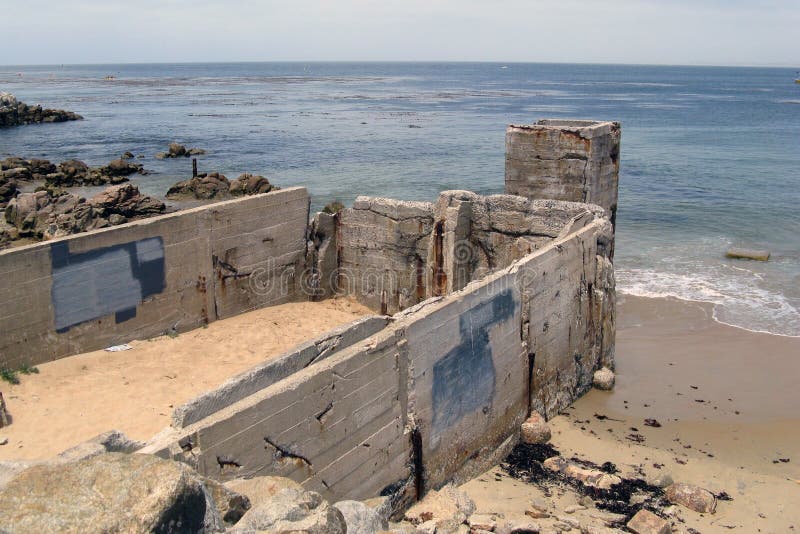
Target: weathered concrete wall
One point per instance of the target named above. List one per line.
(565, 160)
(337, 426)
(138, 280)
(275, 369)
(436, 395)
(382, 249)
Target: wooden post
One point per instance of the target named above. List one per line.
(194, 167)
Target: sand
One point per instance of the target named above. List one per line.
(74, 399)
(665, 349)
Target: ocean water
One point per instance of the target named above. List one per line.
(710, 156)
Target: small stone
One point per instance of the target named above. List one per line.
(646, 522)
(571, 509)
(555, 463)
(4, 441)
(360, 518)
(518, 525)
(692, 497)
(603, 379)
(482, 522)
(536, 514)
(571, 521)
(661, 480)
(535, 430)
(587, 501)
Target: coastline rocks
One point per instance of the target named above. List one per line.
(739, 253)
(588, 477)
(535, 430)
(16, 113)
(692, 497)
(112, 492)
(604, 379)
(250, 184)
(8, 189)
(120, 167)
(177, 150)
(212, 185)
(127, 201)
(446, 506)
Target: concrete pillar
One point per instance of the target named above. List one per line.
(573, 160)
(451, 254)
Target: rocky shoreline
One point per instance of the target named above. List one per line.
(16, 113)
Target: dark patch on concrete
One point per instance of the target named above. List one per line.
(464, 379)
(115, 279)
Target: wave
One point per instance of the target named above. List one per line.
(738, 298)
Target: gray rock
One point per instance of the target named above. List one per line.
(661, 480)
(108, 493)
(446, 504)
(740, 253)
(205, 187)
(646, 522)
(535, 429)
(292, 510)
(230, 504)
(16, 113)
(360, 518)
(250, 184)
(603, 379)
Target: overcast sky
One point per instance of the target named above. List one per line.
(716, 32)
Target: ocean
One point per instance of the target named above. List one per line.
(710, 155)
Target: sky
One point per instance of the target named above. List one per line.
(679, 32)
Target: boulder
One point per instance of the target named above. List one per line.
(206, 187)
(261, 489)
(739, 253)
(692, 497)
(603, 379)
(8, 189)
(41, 167)
(120, 167)
(360, 518)
(12, 162)
(16, 113)
(646, 522)
(292, 510)
(661, 480)
(111, 492)
(127, 155)
(593, 478)
(535, 429)
(250, 184)
(19, 174)
(176, 150)
(230, 504)
(446, 504)
(195, 152)
(126, 200)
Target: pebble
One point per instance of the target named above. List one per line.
(603, 379)
(571, 509)
(535, 430)
(646, 522)
(4, 441)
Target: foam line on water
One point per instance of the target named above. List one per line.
(739, 299)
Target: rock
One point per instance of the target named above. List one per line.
(383, 506)
(41, 167)
(485, 522)
(747, 254)
(555, 463)
(449, 503)
(111, 441)
(607, 518)
(127, 155)
(250, 184)
(12, 162)
(589, 477)
(112, 492)
(692, 497)
(195, 152)
(517, 525)
(120, 167)
(535, 430)
(176, 150)
(231, 505)
(292, 510)
(360, 518)
(20, 174)
(161, 155)
(661, 480)
(16, 113)
(213, 185)
(261, 489)
(333, 207)
(126, 200)
(8, 189)
(646, 522)
(572, 508)
(603, 379)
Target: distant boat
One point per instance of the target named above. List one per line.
(503, 67)
(110, 77)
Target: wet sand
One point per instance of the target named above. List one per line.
(670, 355)
(74, 399)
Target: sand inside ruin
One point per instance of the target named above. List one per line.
(74, 399)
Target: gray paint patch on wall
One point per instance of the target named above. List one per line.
(464, 378)
(114, 279)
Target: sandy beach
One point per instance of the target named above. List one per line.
(727, 404)
(74, 399)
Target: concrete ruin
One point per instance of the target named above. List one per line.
(486, 307)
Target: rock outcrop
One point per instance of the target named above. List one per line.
(16, 113)
(177, 150)
(69, 173)
(217, 186)
(46, 214)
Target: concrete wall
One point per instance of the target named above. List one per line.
(565, 160)
(141, 279)
(436, 395)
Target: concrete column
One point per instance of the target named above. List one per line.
(571, 160)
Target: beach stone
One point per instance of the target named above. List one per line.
(646, 522)
(292, 510)
(360, 518)
(111, 492)
(555, 463)
(261, 489)
(121, 167)
(589, 477)
(127, 155)
(692, 497)
(482, 522)
(448, 503)
(517, 525)
(20, 174)
(230, 504)
(603, 379)
(195, 152)
(212, 185)
(535, 429)
(571, 509)
(175, 150)
(661, 480)
(126, 200)
(41, 166)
